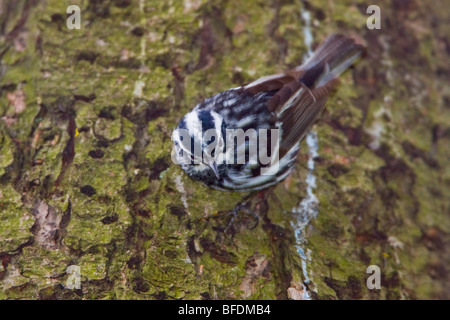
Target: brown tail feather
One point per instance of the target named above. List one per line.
(330, 59)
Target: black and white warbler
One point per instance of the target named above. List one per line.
(210, 147)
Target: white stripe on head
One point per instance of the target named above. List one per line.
(194, 125)
(217, 120)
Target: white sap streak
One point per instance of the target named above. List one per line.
(138, 87)
(143, 39)
(306, 16)
(180, 187)
(377, 129)
(308, 207)
(139, 84)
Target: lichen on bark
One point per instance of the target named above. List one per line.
(86, 176)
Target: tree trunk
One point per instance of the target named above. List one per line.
(86, 177)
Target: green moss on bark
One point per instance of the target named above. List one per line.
(94, 142)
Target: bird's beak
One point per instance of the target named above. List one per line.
(213, 165)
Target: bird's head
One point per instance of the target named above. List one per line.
(199, 141)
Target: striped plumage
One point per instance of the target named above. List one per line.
(290, 102)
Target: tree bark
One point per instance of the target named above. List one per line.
(86, 177)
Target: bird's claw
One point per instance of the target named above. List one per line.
(241, 206)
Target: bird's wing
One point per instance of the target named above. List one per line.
(300, 112)
(299, 95)
(296, 106)
(273, 82)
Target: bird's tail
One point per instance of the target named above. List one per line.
(333, 56)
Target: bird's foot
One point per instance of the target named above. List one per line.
(244, 207)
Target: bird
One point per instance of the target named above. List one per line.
(266, 119)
